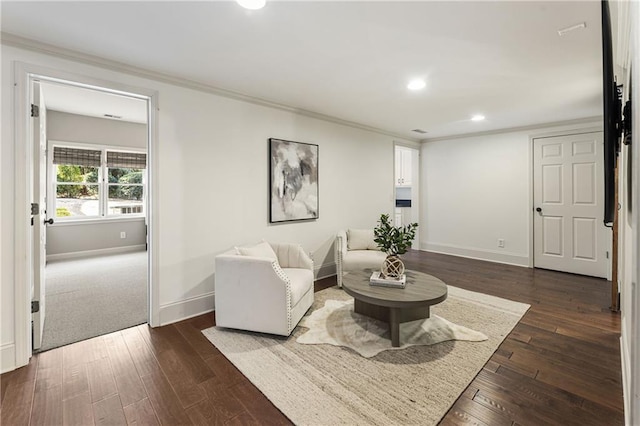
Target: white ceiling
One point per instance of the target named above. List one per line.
(77, 100)
(353, 60)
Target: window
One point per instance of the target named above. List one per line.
(91, 183)
(126, 189)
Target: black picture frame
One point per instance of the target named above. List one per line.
(293, 181)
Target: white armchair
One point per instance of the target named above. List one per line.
(355, 250)
(266, 288)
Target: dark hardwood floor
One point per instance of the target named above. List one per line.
(559, 366)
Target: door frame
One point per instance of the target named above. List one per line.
(39, 228)
(23, 182)
(415, 184)
(531, 218)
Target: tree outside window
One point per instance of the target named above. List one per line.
(82, 192)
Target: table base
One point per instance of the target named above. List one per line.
(393, 316)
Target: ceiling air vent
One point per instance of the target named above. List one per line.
(117, 117)
(419, 131)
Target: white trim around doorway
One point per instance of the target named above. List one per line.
(415, 184)
(23, 75)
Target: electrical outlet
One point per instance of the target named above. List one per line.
(500, 243)
(123, 234)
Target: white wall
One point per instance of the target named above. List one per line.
(627, 264)
(627, 261)
(223, 184)
(631, 335)
(627, 49)
(476, 190)
(64, 238)
(76, 238)
(213, 165)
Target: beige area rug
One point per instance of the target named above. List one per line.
(336, 324)
(325, 384)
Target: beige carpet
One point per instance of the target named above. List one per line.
(324, 384)
(93, 296)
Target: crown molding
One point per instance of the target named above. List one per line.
(13, 40)
(578, 121)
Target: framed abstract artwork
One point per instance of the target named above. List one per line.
(293, 186)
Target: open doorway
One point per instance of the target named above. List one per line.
(90, 259)
(406, 184)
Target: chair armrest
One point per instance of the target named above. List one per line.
(341, 243)
(250, 276)
(340, 249)
(292, 256)
(247, 285)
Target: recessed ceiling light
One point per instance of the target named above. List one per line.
(252, 4)
(478, 117)
(417, 84)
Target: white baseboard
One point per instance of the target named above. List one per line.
(7, 357)
(324, 271)
(91, 253)
(488, 255)
(188, 308)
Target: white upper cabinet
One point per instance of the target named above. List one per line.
(403, 166)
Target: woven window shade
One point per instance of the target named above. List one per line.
(76, 157)
(126, 160)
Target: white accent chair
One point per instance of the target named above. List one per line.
(262, 293)
(355, 250)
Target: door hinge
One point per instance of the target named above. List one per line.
(607, 254)
(35, 110)
(35, 306)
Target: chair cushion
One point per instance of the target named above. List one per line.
(301, 282)
(362, 259)
(262, 249)
(361, 239)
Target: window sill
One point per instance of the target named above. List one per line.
(97, 221)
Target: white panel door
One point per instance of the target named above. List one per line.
(569, 234)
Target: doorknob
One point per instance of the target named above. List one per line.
(50, 221)
(539, 209)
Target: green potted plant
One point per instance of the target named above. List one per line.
(394, 241)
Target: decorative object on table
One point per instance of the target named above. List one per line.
(376, 279)
(293, 170)
(394, 241)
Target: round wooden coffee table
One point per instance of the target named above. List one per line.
(394, 305)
